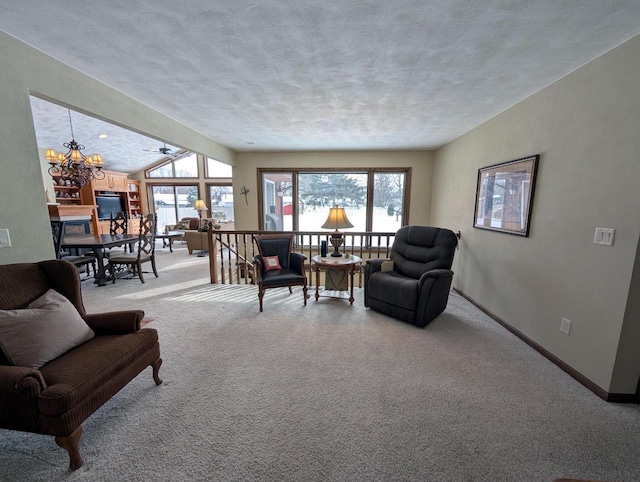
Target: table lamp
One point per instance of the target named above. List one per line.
(337, 219)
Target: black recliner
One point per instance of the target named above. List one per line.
(412, 286)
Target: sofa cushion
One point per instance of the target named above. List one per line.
(73, 377)
(47, 328)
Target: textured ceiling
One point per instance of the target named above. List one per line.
(334, 74)
(121, 150)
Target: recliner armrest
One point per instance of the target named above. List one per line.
(435, 273)
(115, 322)
(375, 264)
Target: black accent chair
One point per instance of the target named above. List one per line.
(292, 269)
(413, 285)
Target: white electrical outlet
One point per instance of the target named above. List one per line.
(565, 326)
(604, 236)
(5, 240)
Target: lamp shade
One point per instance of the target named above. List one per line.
(200, 205)
(75, 155)
(337, 219)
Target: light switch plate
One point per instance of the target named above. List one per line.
(5, 240)
(604, 236)
(565, 326)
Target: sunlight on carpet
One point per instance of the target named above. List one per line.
(237, 294)
(164, 289)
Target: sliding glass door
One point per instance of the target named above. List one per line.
(173, 202)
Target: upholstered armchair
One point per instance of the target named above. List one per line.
(413, 284)
(59, 364)
(277, 265)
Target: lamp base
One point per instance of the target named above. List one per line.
(336, 242)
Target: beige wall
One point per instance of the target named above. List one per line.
(586, 128)
(22, 194)
(245, 174)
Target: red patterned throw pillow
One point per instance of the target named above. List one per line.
(271, 262)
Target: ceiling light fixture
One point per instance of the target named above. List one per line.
(74, 166)
(102, 136)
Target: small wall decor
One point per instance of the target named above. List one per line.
(245, 193)
(504, 196)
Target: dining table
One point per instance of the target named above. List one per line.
(98, 243)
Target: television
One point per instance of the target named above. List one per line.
(108, 205)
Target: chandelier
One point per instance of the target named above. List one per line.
(74, 166)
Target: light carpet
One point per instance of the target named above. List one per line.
(330, 392)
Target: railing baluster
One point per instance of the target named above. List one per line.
(239, 259)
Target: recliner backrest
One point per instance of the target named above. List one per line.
(418, 249)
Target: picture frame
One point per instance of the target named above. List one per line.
(504, 196)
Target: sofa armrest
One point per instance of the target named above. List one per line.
(15, 379)
(19, 391)
(115, 322)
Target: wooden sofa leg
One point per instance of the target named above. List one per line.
(70, 444)
(156, 371)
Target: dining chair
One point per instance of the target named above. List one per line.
(145, 252)
(57, 230)
(118, 224)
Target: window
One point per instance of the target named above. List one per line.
(388, 197)
(317, 192)
(374, 199)
(185, 166)
(173, 202)
(217, 168)
(221, 201)
(277, 200)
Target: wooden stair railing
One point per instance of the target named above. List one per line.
(234, 251)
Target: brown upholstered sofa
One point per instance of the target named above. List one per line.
(197, 241)
(57, 397)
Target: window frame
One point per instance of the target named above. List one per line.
(207, 175)
(171, 161)
(370, 171)
(174, 185)
(209, 186)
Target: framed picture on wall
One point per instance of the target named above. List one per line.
(504, 196)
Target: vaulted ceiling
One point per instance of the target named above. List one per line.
(309, 75)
